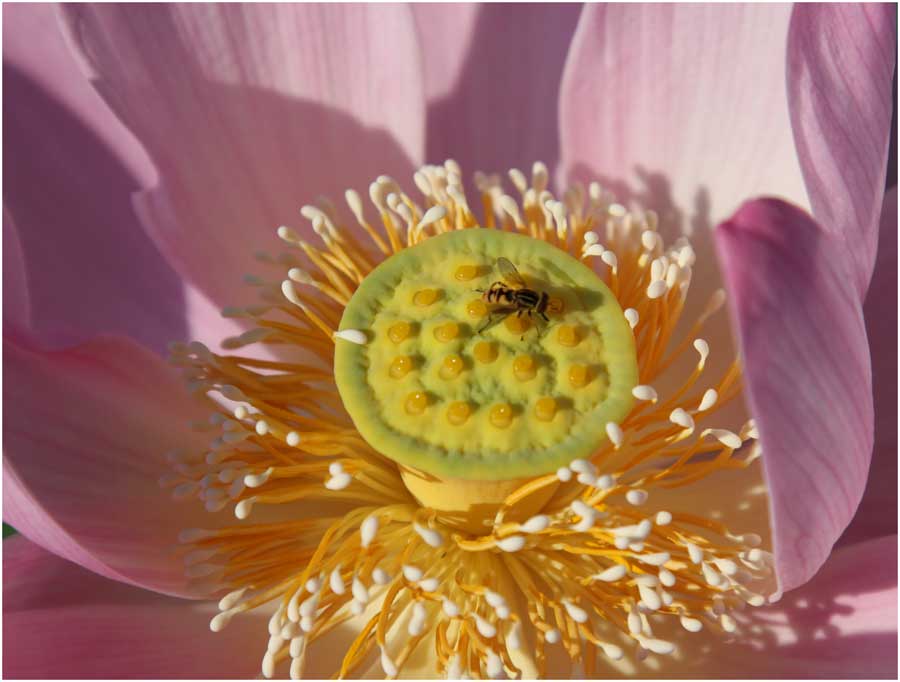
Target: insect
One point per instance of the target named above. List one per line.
(513, 296)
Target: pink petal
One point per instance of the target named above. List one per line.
(16, 306)
(498, 76)
(807, 374)
(680, 106)
(85, 436)
(876, 515)
(250, 111)
(88, 265)
(840, 69)
(446, 31)
(61, 621)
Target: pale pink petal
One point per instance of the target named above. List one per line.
(807, 374)
(681, 106)
(61, 621)
(86, 431)
(877, 514)
(250, 111)
(71, 169)
(493, 81)
(840, 69)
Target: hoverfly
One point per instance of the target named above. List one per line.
(513, 296)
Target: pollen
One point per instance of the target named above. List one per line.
(485, 503)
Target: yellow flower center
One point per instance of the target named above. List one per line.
(352, 505)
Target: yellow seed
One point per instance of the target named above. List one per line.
(466, 272)
(399, 331)
(446, 332)
(458, 412)
(567, 335)
(485, 351)
(425, 297)
(501, 415)
(579, 376)
(451, 367)
(545, 409)
(400, 366)
(516, 324)
(524, 367)
(476, 308)
(416, 402)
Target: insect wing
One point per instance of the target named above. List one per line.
(497, 315)
(509, 272)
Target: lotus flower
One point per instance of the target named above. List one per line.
(152, 151)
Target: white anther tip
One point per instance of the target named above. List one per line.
(612, 574)
(657, 289)
(632, 316)
(256, 480)
(352, 335)
(536, 524)
(367, 530)
(431, 537)
(636, 496)
(513, 543)
(702, 347)
(681, 418)
(614, 431)
(644, 393)
(339, 482)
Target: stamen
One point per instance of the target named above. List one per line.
(583, 547)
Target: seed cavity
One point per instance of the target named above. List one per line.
(524, 367)
(567, 335)
(451, 367)
(400, 366)
(501, 415)
(476, 308)
(446, 332)
(545, 409)
(579, 376)
(399, 331)
(425, 297)
(516, 324)
(466, 273)
(416, 402)
(485, 352)
(458, 412)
